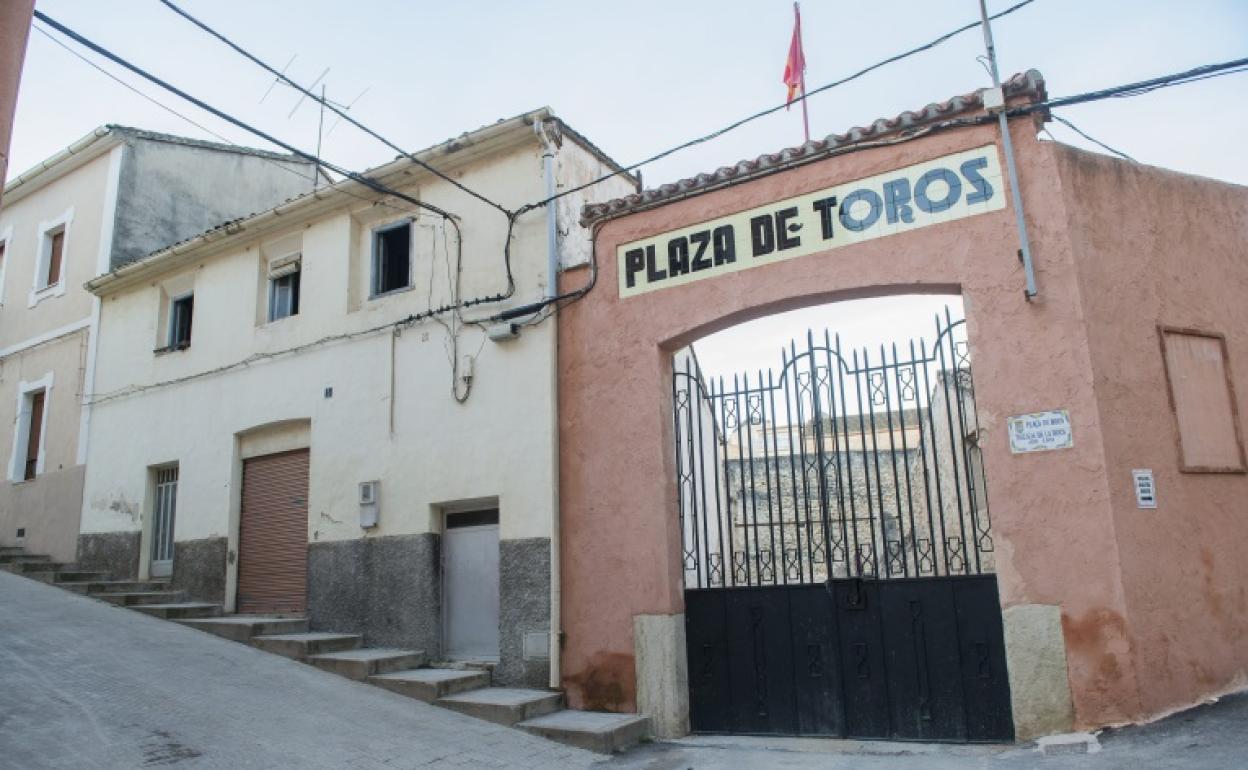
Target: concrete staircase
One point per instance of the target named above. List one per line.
(467, 690)
(151, 597)
(408, 673)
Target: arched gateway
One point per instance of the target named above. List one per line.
(875, 544)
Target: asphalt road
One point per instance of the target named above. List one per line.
(84, 684)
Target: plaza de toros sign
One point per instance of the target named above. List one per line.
(941, 190)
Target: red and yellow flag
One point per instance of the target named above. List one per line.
(795, 65)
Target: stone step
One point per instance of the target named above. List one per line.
(241, 628)
(36, 565)
(503, 705)
(133, 598)
(429, 684)
(365, 662)
(179, 610)
(17, 557)
(593, 730)
(55, 576)
(300, 646)
(11, 550)
(111, 586)
(80, 576)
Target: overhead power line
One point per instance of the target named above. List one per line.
(1092, 139)
(352, 175)
(281, 75)
(1137, 88)
(161, 104)
(772, 110)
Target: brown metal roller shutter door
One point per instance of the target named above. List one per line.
(273, 534)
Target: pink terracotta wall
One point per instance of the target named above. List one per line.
(1159, 248)
(1052, 512)
(14, 30)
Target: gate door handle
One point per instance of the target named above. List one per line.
(855, 598)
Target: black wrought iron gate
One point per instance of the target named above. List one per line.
(839, 566)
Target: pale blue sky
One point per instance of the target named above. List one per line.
(637, 77)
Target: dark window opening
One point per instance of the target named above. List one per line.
(33, 435)
(56, 249)
(392, 248)
(284, 295)
(180, 322)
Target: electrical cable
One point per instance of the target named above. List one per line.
(394, 327)
(554, 303)
(512, 216)
(353, 176)
(157, 102)
(1138, 88)
(332, 107)
(535, 310)
(1130, 89)
(771, 110)
(1091, 139)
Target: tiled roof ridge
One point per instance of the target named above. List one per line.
(159, 136)
(1025, 84)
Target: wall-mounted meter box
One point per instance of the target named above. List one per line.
(370, 503)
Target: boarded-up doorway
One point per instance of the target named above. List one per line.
(273, 534)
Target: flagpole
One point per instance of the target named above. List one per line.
(805, 115)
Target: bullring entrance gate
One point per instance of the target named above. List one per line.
(837, 547)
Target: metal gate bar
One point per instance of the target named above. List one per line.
(840, 464)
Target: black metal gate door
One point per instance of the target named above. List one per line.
(837, 548)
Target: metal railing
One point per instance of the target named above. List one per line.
(840, 464)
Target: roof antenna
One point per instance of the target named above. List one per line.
(345, 108)
(319, 78)
(277, 80)
(322, 101)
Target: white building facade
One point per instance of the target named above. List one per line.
(109, 198)
(280, 425)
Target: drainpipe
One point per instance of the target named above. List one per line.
(552, 290)
(552, 219)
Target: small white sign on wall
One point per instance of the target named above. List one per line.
(1040, 431)
(1145, 488)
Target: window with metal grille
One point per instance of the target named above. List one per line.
(163, 517)
(181, 311)
(284, 278)
(392, 251)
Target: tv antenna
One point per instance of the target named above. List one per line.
(321, 133)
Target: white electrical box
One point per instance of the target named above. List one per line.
(994, 99)
(370, 503)
(503, 332)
